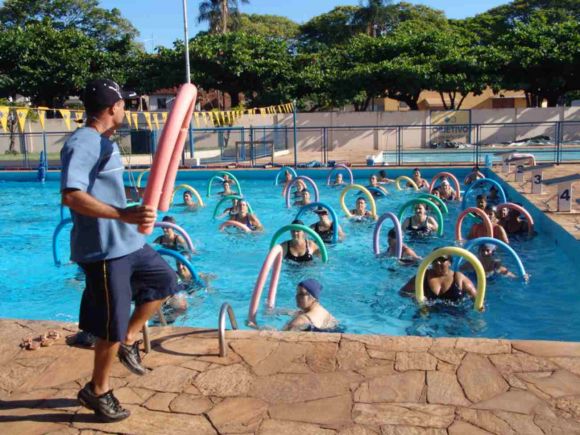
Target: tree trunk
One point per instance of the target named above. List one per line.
(224, 13)
(461, 101)
(528, 99)
(443, 101)
(552, 99)
(234, 98)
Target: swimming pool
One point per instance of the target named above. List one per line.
(360, 290)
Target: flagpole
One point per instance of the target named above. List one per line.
(186, 39)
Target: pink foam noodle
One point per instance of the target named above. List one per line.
(273, 261)
(169, 184)
(235, 224)
(451, 177)
(165, 149)
(480, 213)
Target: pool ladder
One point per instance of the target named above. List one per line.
(225, 309)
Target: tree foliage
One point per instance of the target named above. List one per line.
(273, 26)
(105, 26)
(237, 62)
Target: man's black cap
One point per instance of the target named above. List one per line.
(103, 93)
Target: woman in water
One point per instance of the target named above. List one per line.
(421, 183)
(491, 264)
(245, 217)
(408, 254)
(300, 187)
(232, 211)
(442, 283)
(304, 200)
(446, 192)
(188, 201)
(324, 227)
(170, 239)
(474, 175)
(227, 189)
(338, 181)
(299, 248)
(420, 224)
(511, 222)
(312, 315)
(360, 211)
(382, 177)
(478, 229)
(374, 183)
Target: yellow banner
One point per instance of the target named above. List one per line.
(156, 120)
(21, 114)
(196, 119)
(135, 117)
(65, 113)
(42, 115)
(4, 110)
(79, 115)
(223, 118)
(147, 116)
(128, 116)
(164, 117)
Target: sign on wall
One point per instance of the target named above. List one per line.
(450, 126)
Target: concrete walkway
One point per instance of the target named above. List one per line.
(299, 383)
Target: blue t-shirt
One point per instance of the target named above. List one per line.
(92, 163)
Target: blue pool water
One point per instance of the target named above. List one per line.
(360, 290)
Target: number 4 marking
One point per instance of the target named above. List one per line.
(565, 195)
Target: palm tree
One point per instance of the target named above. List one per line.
(218, 12)
(373, 16)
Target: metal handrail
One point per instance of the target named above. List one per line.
(222, 326)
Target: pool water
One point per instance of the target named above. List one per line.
(359, 289)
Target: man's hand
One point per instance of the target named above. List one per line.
(138, 215)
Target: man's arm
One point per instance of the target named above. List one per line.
(87, 205)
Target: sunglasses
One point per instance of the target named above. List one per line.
(441, 260)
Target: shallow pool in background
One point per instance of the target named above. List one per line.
(360, 290)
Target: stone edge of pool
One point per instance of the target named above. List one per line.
(276, 383)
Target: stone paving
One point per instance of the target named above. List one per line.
(299, 383)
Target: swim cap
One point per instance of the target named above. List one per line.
(489, 246)
(312, 286)
(320, 210)
(297, 222)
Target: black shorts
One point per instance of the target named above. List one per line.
(142, 276)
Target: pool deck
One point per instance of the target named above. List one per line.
(546, 201)
(298, 383)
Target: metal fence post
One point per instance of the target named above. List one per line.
(295, 139)
(558, 142)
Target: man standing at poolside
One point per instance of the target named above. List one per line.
(118, 265)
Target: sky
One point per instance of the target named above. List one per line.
(160, 22)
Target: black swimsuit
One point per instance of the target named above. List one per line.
(307, 256)
(325, 235)
(454, 293)
(421, 230)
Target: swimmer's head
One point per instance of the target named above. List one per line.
(373, 180)
(487, 249)
(481, 201)
(442, 264)
(296, 234)
(187, 195)
(420, 209)
(361, 203)
(339, 177)
(491, 212)
(166, 230)
(322, 213)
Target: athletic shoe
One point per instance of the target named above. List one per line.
(130, 358)
(106, 406)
